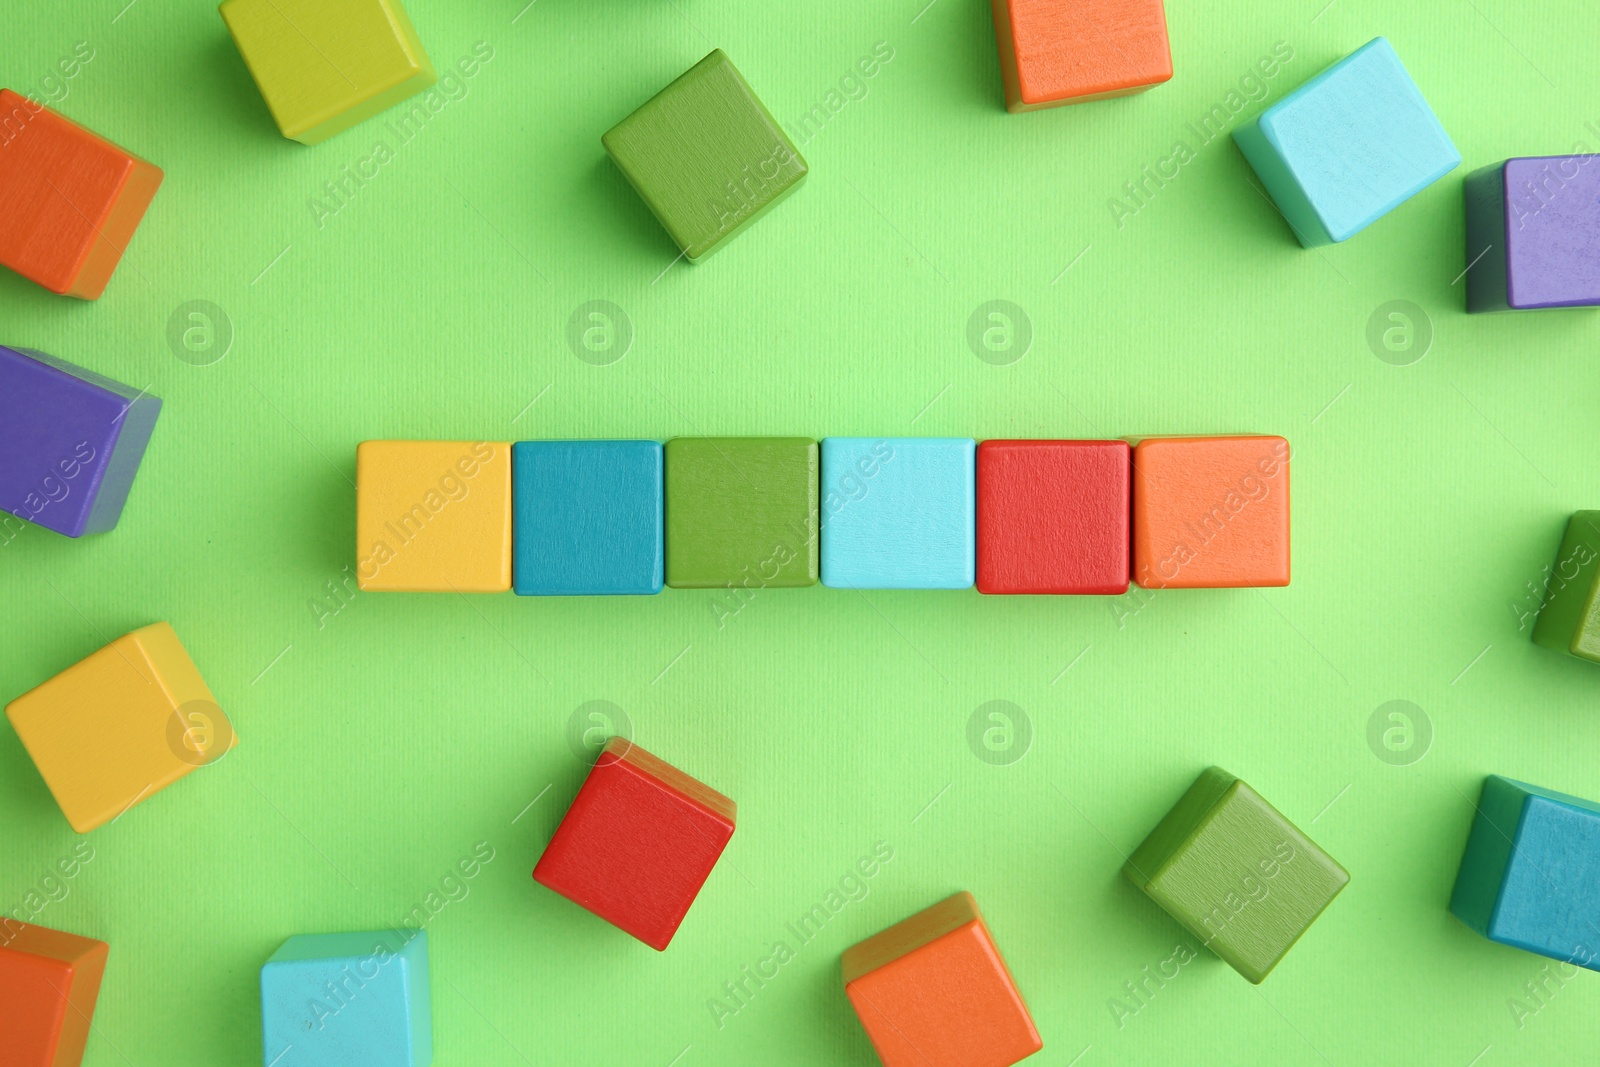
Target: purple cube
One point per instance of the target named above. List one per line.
(1533, 234)
(70, 442)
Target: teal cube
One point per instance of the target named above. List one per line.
(1348, 147)
(348, 1000)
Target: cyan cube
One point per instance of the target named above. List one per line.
(348, 1000)
(898, 512)
(1533, 234)
(1348, 147)
(1530, 876)
(70, 442)
(586, 517)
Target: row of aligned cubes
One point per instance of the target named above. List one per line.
(573, 518)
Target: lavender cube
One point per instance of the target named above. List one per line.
(70, 442)
(1533, 234)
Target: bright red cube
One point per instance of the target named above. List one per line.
(638, 843)
(1053, 517)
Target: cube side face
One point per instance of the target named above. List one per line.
(1265, 157)
(323, 68)
(1179, 825)
(691, 789)
(1569, 620)
(116, 231)
(898, 513)
(706, 156)
(633, 851)
(68, 438)
(1360, 139)
(908, 935)
(1053, 53)
(1211, 512)
(1485, 195)
(433, 516)
(1053, 517)
(1247, 882)
(741, 511)
(589, 518)
(347, 1000)
(1550, 891)
(1497, 816)
(49, 985)
(1552, 227)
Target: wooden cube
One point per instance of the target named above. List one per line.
(741, 512)
(1348, 147)
(588, 517)
(1533, 234)
(121, 726)
(325, 65)
(897, 512)
(1236, 873)
(1054, 53)
(70, 200)
(1053, 517)
(1530, 875)
(348, 1000)
(433, 516)
(71, 442)
(1569, 621)
(638, 842)
(49, 983)
(934, 991)
(706, 156)
(1211, 512)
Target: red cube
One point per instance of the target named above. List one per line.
(49, 982)
(1053, 517)
(638, 843)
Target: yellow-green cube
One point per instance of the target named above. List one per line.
(325, 65)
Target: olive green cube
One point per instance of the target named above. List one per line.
(741, 512)
(1570, 619)
(1236, 873)
(706, 156)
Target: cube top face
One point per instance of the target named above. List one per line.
(433, 516)
(1570, 619)
(1211, 512)
(1552, 231)
(1053, 53)
(1053, 517)
(49, 983)
(324, 65)
(71, 199)
(70, 442)
(706, 156)
(348, 1000)
(120, 726)
(741, 511)
(934, 990)
(588, 517)
(1356, 142)
(638, 843)
(898, 513)
(1236, 873)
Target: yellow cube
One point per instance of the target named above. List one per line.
(120, 726)
(325, 65)
(433, 516)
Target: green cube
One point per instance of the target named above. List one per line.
(1570, 619)
(706, 156)
(741, 512)
(1235, 873)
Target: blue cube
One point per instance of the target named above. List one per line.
(898, 512)
(1530, 876)
(586, 517)
(1348, 147)
(348, 1000)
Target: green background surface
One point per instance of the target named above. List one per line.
(381, 744)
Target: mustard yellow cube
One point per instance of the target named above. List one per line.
(325, 65)
(433, 516)
(121, 726)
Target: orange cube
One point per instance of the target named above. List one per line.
(1211, 512)
(1055, 52)
(49, 982)
(932, 991)
(69, 200)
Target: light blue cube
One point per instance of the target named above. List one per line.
(898, 512)
(348, 1000)
(1348, 147)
